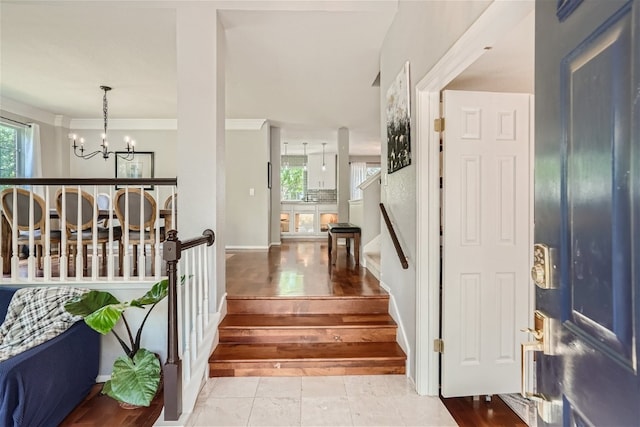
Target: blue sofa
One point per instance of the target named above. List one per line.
(42, 385)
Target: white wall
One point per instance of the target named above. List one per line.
(161, 142)
(421, 33)
(248, 221)
(200, 45)
(275, 185)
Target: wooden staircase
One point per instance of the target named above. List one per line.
(299, 336)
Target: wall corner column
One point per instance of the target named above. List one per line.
(343, 175)
(200, 154)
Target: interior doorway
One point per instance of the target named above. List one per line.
(466, 66)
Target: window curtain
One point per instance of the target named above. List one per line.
(32, 155)
(358, 175)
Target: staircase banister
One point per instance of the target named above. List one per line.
(394, 238)
(173, 248)
(88, 181)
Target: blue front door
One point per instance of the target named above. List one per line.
(587, 205)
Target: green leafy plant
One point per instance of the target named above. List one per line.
(136, 375)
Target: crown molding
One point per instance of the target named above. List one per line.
(244, 124)
(27, 111)
(158, 124)
(125, 124)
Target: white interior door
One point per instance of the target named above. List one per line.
(486, 233)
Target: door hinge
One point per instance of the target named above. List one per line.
(438, 125)
(438, 345)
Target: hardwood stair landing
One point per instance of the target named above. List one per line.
(330, 335)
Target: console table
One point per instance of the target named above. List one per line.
(347, 231)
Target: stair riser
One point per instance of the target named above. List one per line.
(314, 368)
(308, 306)
(312, 335)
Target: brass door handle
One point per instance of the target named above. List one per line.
(537, 334)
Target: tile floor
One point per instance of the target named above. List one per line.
(368, 400)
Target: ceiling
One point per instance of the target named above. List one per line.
(308, 66)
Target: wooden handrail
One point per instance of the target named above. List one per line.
(172, 251)
(88, 181)
(394, 238)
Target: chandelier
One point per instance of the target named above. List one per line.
(78, 149)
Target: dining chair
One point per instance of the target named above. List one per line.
(170, 204)
(22, 218)
(86, 225)
(138, 234)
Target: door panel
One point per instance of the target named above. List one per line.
(594, 94)
(486, 227)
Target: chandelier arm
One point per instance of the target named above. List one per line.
(88, 156)
(128, 156)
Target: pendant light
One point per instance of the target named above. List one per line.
(324, 165)
(304, 164)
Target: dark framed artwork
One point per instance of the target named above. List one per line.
(399, 122)
(268, 174)
(141, 165)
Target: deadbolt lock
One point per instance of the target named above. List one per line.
(544, 267)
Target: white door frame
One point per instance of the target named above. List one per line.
(496, 20)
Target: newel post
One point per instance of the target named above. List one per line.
(173, 366)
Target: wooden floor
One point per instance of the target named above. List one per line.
(99, 410)
(469, 412)
(298, 268)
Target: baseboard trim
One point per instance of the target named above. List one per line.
(244, 248)
(403, 342)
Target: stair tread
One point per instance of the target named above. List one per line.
(308, 297)
(308, 352)
(379, 320)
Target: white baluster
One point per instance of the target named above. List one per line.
(126, 266)
(32, 259)
(95, 264)
(79, 248)
(47, 236)
(142, 247)
(15, 259)
(64, 246)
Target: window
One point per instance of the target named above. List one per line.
(293, 178)
(11, 138)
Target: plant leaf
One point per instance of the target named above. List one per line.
(136, 380)
(104, 319)
(106, 388)
(86, 304)
(157, 293)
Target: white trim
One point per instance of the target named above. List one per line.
(125, 124)
(367, 182)
(497, 19)
(158, 124)
(244, 124)
(401, 335)
(61, 121)
(27, 111)
(241, 247)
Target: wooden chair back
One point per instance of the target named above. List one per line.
(71, 196)
(23, 207)
(136, 201)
